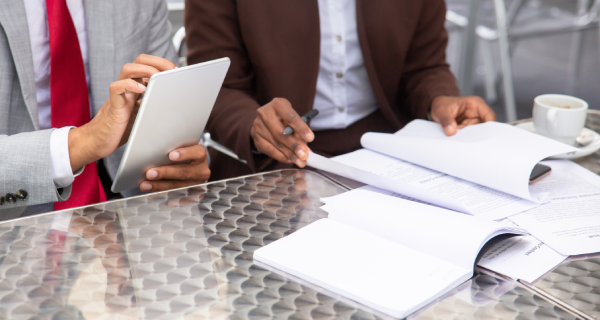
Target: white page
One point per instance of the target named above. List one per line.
(478, 200)
(492, 154)
(378, 273)
(521, 258)
(570, 223)
(316, 161)
(452, 236)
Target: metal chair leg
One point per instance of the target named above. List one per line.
(453, 55)
(487, 53)
(505, 61)
(465, 81)
(513, 11)
(574, 66)
(210, 143)
(576, 51)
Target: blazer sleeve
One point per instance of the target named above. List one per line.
(426, 74)
(212, 32)
(160, 43)
(25, 163)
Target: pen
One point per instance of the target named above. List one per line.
(306, 118)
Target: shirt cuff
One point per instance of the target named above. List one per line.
(62, 173)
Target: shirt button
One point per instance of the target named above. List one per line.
(341, 109)
(338, 38)
(339, 75)
(10, 198)
(22, 195)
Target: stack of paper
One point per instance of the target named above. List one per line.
(480, 170)
(396, 247)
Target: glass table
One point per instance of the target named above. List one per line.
(187, 254)
(576, 282)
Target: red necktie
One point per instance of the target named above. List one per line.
(69, 97)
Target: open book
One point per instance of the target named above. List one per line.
(482, 170)
(390, 254)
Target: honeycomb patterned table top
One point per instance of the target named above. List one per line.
(187, 254)
(576, 282)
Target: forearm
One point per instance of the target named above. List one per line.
(427, 75)
(426, 86)
(231, 121)
(212, 32)
(79, 154)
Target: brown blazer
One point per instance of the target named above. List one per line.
(274, 48)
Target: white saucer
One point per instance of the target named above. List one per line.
(582, 150)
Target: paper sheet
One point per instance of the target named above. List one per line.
(322, 163)
(452, 236)
(478, 200)
(570, 223)
(522, 258)
(378, 273)
(495, 155)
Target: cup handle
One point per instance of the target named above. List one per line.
(552, 121)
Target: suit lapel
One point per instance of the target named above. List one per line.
(384, 105)
(13, 19)
(312, 47)
(100, 38)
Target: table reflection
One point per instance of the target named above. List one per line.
(576, 282)
(187, 254)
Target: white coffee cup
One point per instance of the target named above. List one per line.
(559, 117)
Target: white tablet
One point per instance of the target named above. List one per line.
(173, 114)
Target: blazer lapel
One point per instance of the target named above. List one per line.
(13, 19)
(297, 49)
(100, 37)
(384, 105)
(311, 46)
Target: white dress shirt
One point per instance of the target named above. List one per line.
(344, 93)
(37, 20)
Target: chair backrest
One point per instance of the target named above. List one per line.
(180, 47)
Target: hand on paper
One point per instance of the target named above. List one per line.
(455, 113)
(192, 169)
(110, 128)
(267, 133)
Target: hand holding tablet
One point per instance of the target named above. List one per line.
(192, 169)
(170, 122)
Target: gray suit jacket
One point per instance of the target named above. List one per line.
(117, 32)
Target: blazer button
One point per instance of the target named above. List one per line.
(10, 198)
(22, 195)
(2, 200)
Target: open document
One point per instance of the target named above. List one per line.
(467, 196)
(522, 258)
(483, 170)
(570, 222)
(387, 253)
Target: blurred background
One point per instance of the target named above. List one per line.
(551, 46)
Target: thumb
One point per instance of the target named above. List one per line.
(446, 116)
